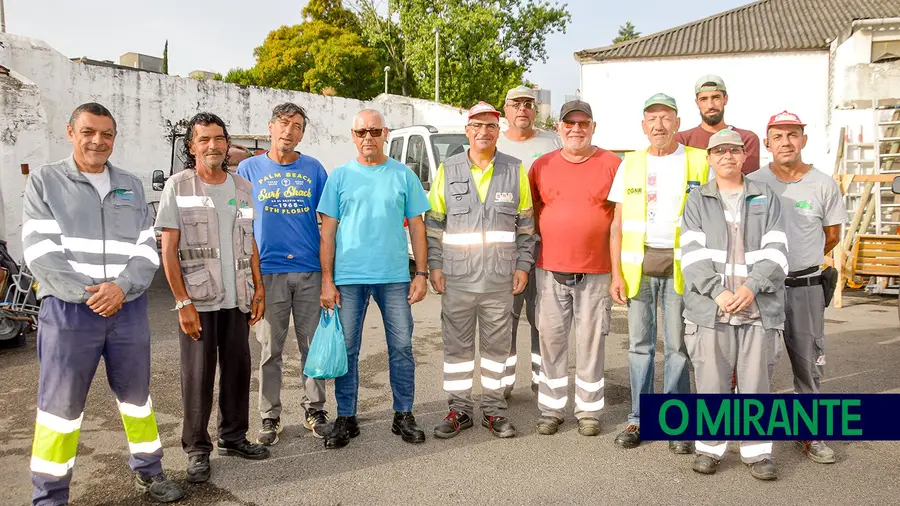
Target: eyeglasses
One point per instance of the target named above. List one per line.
(584, 124)
(720, 151)
(490, 127)
(527, 104)
(374, 132)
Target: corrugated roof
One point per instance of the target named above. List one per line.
(762, 26)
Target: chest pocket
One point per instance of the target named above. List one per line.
(457, 189)
(196, 227)
(506, 218)
(127, 216)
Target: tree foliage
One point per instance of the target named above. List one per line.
(626, 32)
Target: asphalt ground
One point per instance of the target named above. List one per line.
(863, 350)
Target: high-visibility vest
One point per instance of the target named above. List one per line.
(634, 213)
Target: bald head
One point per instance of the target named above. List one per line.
(368, 118)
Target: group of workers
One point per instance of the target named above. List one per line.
(729, 251)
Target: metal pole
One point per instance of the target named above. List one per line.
(386, 70)
(2, 18)
(437, 66)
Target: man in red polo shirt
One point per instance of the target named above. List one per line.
(569, 188)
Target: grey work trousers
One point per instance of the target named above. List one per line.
(288, 294)
(528, 299)
(588, 306)
(460, 312)
(716, 354)
(804, 336)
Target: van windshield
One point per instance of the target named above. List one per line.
(445, 145)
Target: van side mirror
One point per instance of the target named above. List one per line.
(158, 180)
(895, 186)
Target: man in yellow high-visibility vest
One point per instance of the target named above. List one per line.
(650, 189)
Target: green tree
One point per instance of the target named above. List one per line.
(382, 33)
(165, 58)
(626, 32)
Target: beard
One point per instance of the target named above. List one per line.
(714, 118)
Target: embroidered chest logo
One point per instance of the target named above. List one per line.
(125, 194)
(503, 197)
(634, 191)
(804, 205)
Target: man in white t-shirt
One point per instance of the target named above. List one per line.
(650, 189)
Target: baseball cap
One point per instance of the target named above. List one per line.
(785, 118)
(483, 107)
(661, 99)
(575, 106)
(710, 82)
(520, 92)
(726, 136)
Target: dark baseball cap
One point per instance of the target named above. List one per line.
(575, 106)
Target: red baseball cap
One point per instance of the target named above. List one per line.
(785, 118)
(483, 107)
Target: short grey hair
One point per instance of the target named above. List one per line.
(373, 112)
(289, 110)
(92, 108)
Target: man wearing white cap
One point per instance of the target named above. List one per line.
(734, 260)
(814, 212)
(525, 142)
(480, 232)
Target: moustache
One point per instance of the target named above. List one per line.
(215, 152)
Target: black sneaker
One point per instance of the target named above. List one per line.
(268, 434)
(406, 427)
(316, 420)
(244, 449)
(764, 470)
(704, 464)
(499, 426)
(452, 424)
(198, 468)
(160, 488)
(345, 427)
(630, 437)
(548, 425)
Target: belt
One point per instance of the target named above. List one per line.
(568, 278)
(799, 282)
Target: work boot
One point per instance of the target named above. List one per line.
(681, 447)
(268, 434)
(630, 437)
(160, 488)
(588, 426)
(499, 426)
(243, 449)
(763, 470)
(316, 420)
(345, 427)
(704, 464)
(548, 425)
(406, 427)
(198, 468)
(818, 451)
(452, 424)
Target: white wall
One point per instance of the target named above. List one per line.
(758, 87)
(45, 86)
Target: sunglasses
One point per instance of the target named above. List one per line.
(585, 124)
(518, 105)
(490, 127)
(720, 151)
(374, 132)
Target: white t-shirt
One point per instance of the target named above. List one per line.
(665, 191)
(100, 182)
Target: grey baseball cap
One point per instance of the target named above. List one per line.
(726, 136)
(710, 82)
(520, 92)
(573, 106)
(661, 99)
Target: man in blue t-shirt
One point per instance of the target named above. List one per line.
(287, 186)
(364, 254)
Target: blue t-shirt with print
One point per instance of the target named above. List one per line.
(286, 197)
(371, 203)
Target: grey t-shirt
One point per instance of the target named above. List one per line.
(530, 150)
(809, 204)
(222, 196)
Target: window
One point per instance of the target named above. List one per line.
(884, 51)
(396, 148)
(447, 145)
(417, 158)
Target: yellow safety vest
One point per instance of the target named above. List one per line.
(634, 214)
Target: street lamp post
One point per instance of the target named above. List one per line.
(2, 18)
(437, 66)
(386, 70)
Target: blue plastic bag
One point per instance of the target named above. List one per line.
(327, 356)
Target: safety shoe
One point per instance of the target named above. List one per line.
(588, 426)
(198, 468)
(704, 464)
(243, 449)
(630, 437)
(344, 428)
(160, 488)
(763, 470)
(316, 420)
(499, 426)
(681, 447)
(406, 427)
(268, 434)
(818, 451)
(548, 425)
(452, 424)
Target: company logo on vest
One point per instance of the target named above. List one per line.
(503, 197)
(634, 191)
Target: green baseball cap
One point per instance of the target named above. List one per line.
(661, 99)
(726, 136)
(710, 82)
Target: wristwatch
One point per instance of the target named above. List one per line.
(181, 303)
(421, 273)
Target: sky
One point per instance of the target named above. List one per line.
(220, 35)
